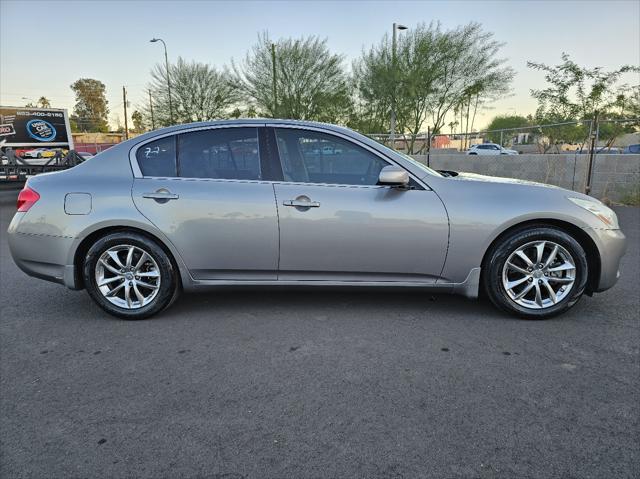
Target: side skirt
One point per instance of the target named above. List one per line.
(469, 287)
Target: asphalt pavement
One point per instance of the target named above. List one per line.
(290, 383)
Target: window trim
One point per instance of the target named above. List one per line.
(278, 160)
(137, 172)
(260, 161)
(272, 156)
(175, 151)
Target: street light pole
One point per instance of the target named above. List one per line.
(392, 127)
(153, 121)
(275, 90)
(166, 61)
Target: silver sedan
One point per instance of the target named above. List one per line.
(272, 202)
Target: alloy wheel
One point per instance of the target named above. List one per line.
(539, 274)
(127, 276)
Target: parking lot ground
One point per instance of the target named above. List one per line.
(318, 383)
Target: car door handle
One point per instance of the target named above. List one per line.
(302, 203)
(160, 195)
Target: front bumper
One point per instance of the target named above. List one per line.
(612, 244)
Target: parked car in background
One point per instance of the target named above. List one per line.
(249, 202)
(35, 153)
(85, 155)
(631, 149)
(601, 150)
(41, 156)
(49, 153)
(489, 149)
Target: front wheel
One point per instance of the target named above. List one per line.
(536, 273)
(130, 276)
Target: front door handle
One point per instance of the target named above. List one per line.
(302, 203)
(161, 194)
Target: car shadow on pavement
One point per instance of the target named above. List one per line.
(337, 301)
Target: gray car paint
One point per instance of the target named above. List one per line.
(434, 237)
(224, 229)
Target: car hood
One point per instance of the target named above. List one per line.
(463, 176)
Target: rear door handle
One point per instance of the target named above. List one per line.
(302, 204)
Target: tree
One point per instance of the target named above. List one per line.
(310, 81)
(473, 75)
(627, 103)
(577, 93)
(90, 112)
(43, 102)
(434, 73)
(138, 122)
(199, 92)
(505, 122)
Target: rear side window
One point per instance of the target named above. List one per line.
(158, 158)
(223, 153)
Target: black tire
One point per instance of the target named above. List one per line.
(499, 254)
(168, 291)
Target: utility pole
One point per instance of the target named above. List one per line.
(593, 133)
(392, 127)
(126, 123)
(153, 121)
(428, 145)
(275, 90)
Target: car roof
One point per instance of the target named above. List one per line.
(244, 121)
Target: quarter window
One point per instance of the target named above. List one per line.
(223, 153)
(313, 157)
(158, 158)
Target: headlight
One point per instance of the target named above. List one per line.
(604, 214)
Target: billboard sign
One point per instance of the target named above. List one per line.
(40, 127)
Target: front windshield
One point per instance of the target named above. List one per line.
(418, 164)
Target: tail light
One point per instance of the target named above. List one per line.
(27, 198)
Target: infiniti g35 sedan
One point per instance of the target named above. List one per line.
(277, 202)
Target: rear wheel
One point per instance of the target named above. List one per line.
(130, 276)
(536, 273)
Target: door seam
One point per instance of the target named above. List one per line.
(275, 197)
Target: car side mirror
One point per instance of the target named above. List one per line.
(393, 176)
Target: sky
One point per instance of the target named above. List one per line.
(47, 45)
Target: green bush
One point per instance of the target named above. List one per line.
(631, 196)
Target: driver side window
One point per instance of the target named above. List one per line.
(313, 157)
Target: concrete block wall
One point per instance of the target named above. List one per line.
(614, 176)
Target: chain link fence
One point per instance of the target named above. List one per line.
(607, 136)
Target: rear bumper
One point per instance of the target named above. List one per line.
(612, 244)
(39, 255)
